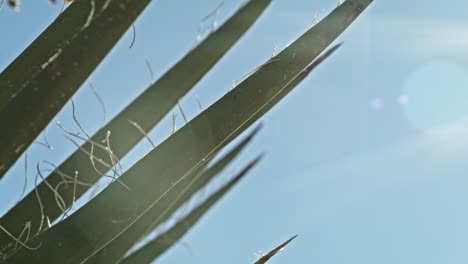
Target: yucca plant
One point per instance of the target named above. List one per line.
(40, 229)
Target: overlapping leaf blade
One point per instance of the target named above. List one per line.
(118, 245)
(154, 248)
(45, 76)
(157, 215)
(147, 110)
(96, 223)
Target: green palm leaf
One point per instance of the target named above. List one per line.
(146, 111)
(154, 248)
(157, 174)
(44, 77)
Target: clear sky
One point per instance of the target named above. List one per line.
(365, 160)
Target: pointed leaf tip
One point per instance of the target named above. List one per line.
(254, 131)
(270, 254)
(247, 168)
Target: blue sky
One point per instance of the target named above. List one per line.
(365, 160)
